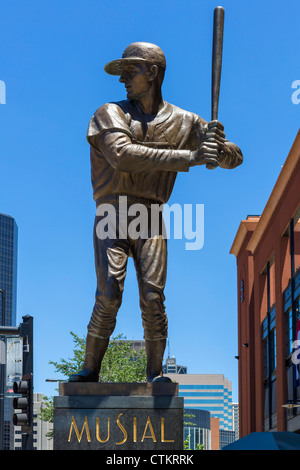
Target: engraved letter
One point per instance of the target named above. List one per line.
(151, 430)
(134, 429)
(122, 429)
(98, 433)
(85, 425)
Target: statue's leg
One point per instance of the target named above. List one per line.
(94, 353)
(155, 354)
(150, 257)
(110, 261)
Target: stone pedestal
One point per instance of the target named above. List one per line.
(118, 416)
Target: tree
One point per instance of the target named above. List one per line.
(121, 363)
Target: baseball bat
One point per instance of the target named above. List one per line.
(217, 52)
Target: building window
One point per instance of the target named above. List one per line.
(196, 437)
(269, 340)
(289, 332)
(269, 347)
(288, 312)
(242, 290)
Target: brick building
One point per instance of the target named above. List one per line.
(267, 250)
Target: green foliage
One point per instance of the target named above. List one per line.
(190, 416)
(123, 364)
(120, 364)
(187, 444)
(46, 413)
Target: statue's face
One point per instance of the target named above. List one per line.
(136, 80)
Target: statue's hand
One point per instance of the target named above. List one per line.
(211, 148)
(215, 134)
(206, 154)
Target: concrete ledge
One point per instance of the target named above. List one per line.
(103, 401)
(118, 389)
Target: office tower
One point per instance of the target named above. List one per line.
(210, 392)
(205, 393)
(8, 301)
(235, 418)
(170, 367)
(226, 437)
(8, 269)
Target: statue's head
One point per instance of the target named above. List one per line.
(141, 69)
(137, 52)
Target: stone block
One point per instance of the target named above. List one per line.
(133, 416)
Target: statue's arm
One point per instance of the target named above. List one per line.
(110, 135)
(124, 155)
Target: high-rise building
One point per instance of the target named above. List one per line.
(8, 269)
(170, 367)
(8, 302)
(226, 437)
(235, 419)
(210, 392)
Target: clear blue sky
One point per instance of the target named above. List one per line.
(52, 55)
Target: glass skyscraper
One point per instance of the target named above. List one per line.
(8, 308)
(8, 269)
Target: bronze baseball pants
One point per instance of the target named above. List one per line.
(150, 259)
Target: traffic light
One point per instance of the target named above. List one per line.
(24, 402)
